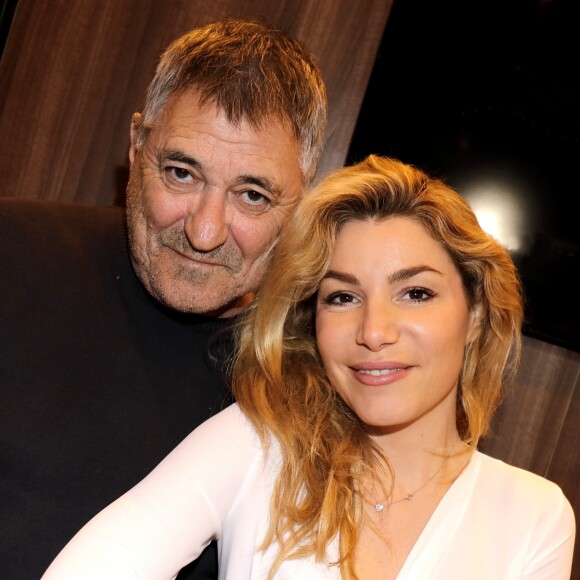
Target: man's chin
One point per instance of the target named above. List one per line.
(194, 301)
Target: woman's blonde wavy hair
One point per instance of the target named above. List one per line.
(279, 380)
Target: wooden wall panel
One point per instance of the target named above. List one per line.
(74, 71)
(535, 410)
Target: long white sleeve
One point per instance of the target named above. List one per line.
(166, 520)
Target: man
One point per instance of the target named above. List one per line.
(114, 342)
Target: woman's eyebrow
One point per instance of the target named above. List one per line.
(406, 273)
(397, 276)
(341, 277)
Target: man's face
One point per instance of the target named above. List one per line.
(205, 203)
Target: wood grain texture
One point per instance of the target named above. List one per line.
(74, 71)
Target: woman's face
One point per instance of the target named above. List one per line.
(392, 322)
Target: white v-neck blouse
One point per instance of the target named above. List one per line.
(495, 522)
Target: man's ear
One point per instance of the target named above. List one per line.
(475, 316)
(136, 122)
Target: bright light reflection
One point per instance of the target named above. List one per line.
(498, 212)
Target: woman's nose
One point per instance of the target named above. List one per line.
(379, 325)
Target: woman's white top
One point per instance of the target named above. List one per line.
(495, 522)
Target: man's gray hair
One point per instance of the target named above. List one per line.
(251, 71)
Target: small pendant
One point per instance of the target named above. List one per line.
(379, 507)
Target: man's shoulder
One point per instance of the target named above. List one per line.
(26, 209)
(42, 234)
(36, 222)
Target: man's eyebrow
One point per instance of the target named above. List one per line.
(262, 182)
(181, 157)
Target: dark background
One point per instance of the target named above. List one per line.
(7, 8)
(473, 90)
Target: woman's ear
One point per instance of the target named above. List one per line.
(475, 316)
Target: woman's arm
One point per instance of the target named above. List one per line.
(167, 519)
(553, 545)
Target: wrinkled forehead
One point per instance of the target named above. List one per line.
(187, 110)
(236, 114)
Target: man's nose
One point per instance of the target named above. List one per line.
(207, 226)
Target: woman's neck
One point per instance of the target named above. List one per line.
(415, 454)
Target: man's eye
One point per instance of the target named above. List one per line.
(254, 197)
(179, 173)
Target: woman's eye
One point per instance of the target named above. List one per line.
(340, 298)
(419, 294)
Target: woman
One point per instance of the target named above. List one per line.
(369, 367)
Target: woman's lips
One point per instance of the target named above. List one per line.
(376, 374)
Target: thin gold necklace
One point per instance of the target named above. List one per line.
(381, 506)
